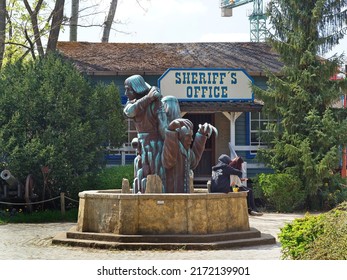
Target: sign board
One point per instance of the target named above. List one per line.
(206, 84)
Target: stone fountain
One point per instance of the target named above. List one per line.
(162, 210)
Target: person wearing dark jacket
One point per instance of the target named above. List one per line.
(220, 181)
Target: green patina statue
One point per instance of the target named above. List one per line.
(164, 142)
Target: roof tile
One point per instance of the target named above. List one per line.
(156, 58)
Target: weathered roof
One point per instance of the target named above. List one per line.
(156, 58)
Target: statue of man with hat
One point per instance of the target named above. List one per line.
(145, 108)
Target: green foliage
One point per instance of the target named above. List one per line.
(295, 237)
(332, 192)
(332, 243)
(51, 116)
(111, 177)
(305, 142)
(283, 192)
(104, 179)
(316, 237)
(46, 216)
(22, 41)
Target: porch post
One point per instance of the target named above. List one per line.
(232, 117)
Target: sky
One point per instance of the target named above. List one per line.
(174, 21)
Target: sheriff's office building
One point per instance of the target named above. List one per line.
(212, 82)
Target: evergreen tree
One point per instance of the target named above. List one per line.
(51, 116)
(307, 140)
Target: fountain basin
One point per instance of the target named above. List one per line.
(109, 211)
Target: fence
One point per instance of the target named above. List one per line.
(62, 198)
(120, 156)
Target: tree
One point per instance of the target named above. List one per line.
(74, 20)
(2, 29)
(51, 116)
(55, 25)
(306, 141)
(57, 20)
(34, 21)
(107, 25)
(16, 43)
(109, 21)
(30, 24)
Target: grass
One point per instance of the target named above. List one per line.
(45, 216)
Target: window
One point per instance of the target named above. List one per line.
(258, 127)
(132, 133)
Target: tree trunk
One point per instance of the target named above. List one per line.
(74, 20)
(2, 29)
(34, 22)
(57, 20)
(109, 21)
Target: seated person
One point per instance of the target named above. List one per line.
(220, 181)
(237, 164)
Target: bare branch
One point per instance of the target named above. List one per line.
(17, 44)
(140, 5)
(34, 22)
(32, 49)
(87, 8)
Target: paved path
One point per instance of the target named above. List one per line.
(33, 241)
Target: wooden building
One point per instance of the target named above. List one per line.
(202, 99)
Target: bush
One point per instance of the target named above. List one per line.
(332, 243)
(333, 192)
(104, 179)
(111, 177)
(281, 191)
(296, 236)
(321, 237)
(52, 116)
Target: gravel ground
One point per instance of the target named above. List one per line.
(34, 242)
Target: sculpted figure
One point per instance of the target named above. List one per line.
(138, 176)
(164, 139)
(171, 108)
(144, 106)
(178, 156)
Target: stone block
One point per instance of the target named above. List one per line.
(125, 186)
(154, 184)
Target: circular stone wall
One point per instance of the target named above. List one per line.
(195, 213)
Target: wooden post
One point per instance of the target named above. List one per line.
(62, 203)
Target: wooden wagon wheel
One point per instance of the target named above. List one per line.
(29, 190)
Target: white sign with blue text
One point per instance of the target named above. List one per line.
(207, 84)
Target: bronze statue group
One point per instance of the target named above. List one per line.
(164, 142)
